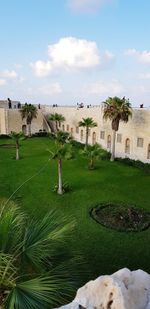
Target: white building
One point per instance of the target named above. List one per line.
(133, 138)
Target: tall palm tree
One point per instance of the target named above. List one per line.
(17, 137)
(93, 153)
(29, 111)
(31, 274)
(63, 151)
(116, 110)
(57, 119)
(87, 123)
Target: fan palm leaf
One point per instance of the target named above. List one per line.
(87, 123)
(116, 110)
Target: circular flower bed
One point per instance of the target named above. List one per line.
(120, 217)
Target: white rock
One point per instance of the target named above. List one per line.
(124, 289)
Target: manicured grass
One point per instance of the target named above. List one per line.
(104, 250)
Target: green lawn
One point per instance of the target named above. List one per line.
(104, 250)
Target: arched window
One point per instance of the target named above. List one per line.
(77, 129)
(71, 131)
(94, 138)
(63, 127)
(109, 142)
(81, 135)
(127, 146)
(148, 152)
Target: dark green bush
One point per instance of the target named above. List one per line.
(4, 136)
(105, 155)
(77, 145)
(40, 134)
(135, 163)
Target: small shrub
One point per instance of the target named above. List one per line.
(77, 145)
(105, 155)
(135, 163)
(4, 136)
(51, 135)
(66, 187)
(40, 134)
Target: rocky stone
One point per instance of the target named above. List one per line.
(124, 289)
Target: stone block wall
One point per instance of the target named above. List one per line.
(132, 140)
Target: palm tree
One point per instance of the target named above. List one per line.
(93, 153)
(29, 111)
(57, 119)
(116, 110)
(31, 274)
(63, 151)
(17, 137)
(87, 123)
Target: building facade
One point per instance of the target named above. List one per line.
(132, 140)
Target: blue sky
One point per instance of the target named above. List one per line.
(69, 51)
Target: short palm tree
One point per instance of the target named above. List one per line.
(93, 153)
(17, 137)
(29, 112)
(63, 151)
(57, 119)
(31, 274)
(116, 110)
(87, 123)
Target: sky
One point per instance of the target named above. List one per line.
(68, 51)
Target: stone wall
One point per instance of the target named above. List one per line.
(133, 138)
(11, 120)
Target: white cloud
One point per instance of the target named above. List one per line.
(21, 79)
(51, 89)
(144, 76)
(9, 74)
(46, 90)
(86, 5)
(107, 88)
(42, 68)
(71, 53)
(143, 56)
(18, 66)
(2, 82)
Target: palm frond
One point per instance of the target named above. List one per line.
(41, 237)
(42, 292)
(87, 122)
(57, 117)
(12, 222)
(8, 272)
(29, 111)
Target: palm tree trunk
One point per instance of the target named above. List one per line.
(56, 126)
(29, 129)
(60, 189)
(87, 135)
(91, 163)
(113, 146)
(17, 151)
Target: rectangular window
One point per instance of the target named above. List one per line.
(119, 138)
(77, 130)
(102, 134)
(140, 142)
(67, 127)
